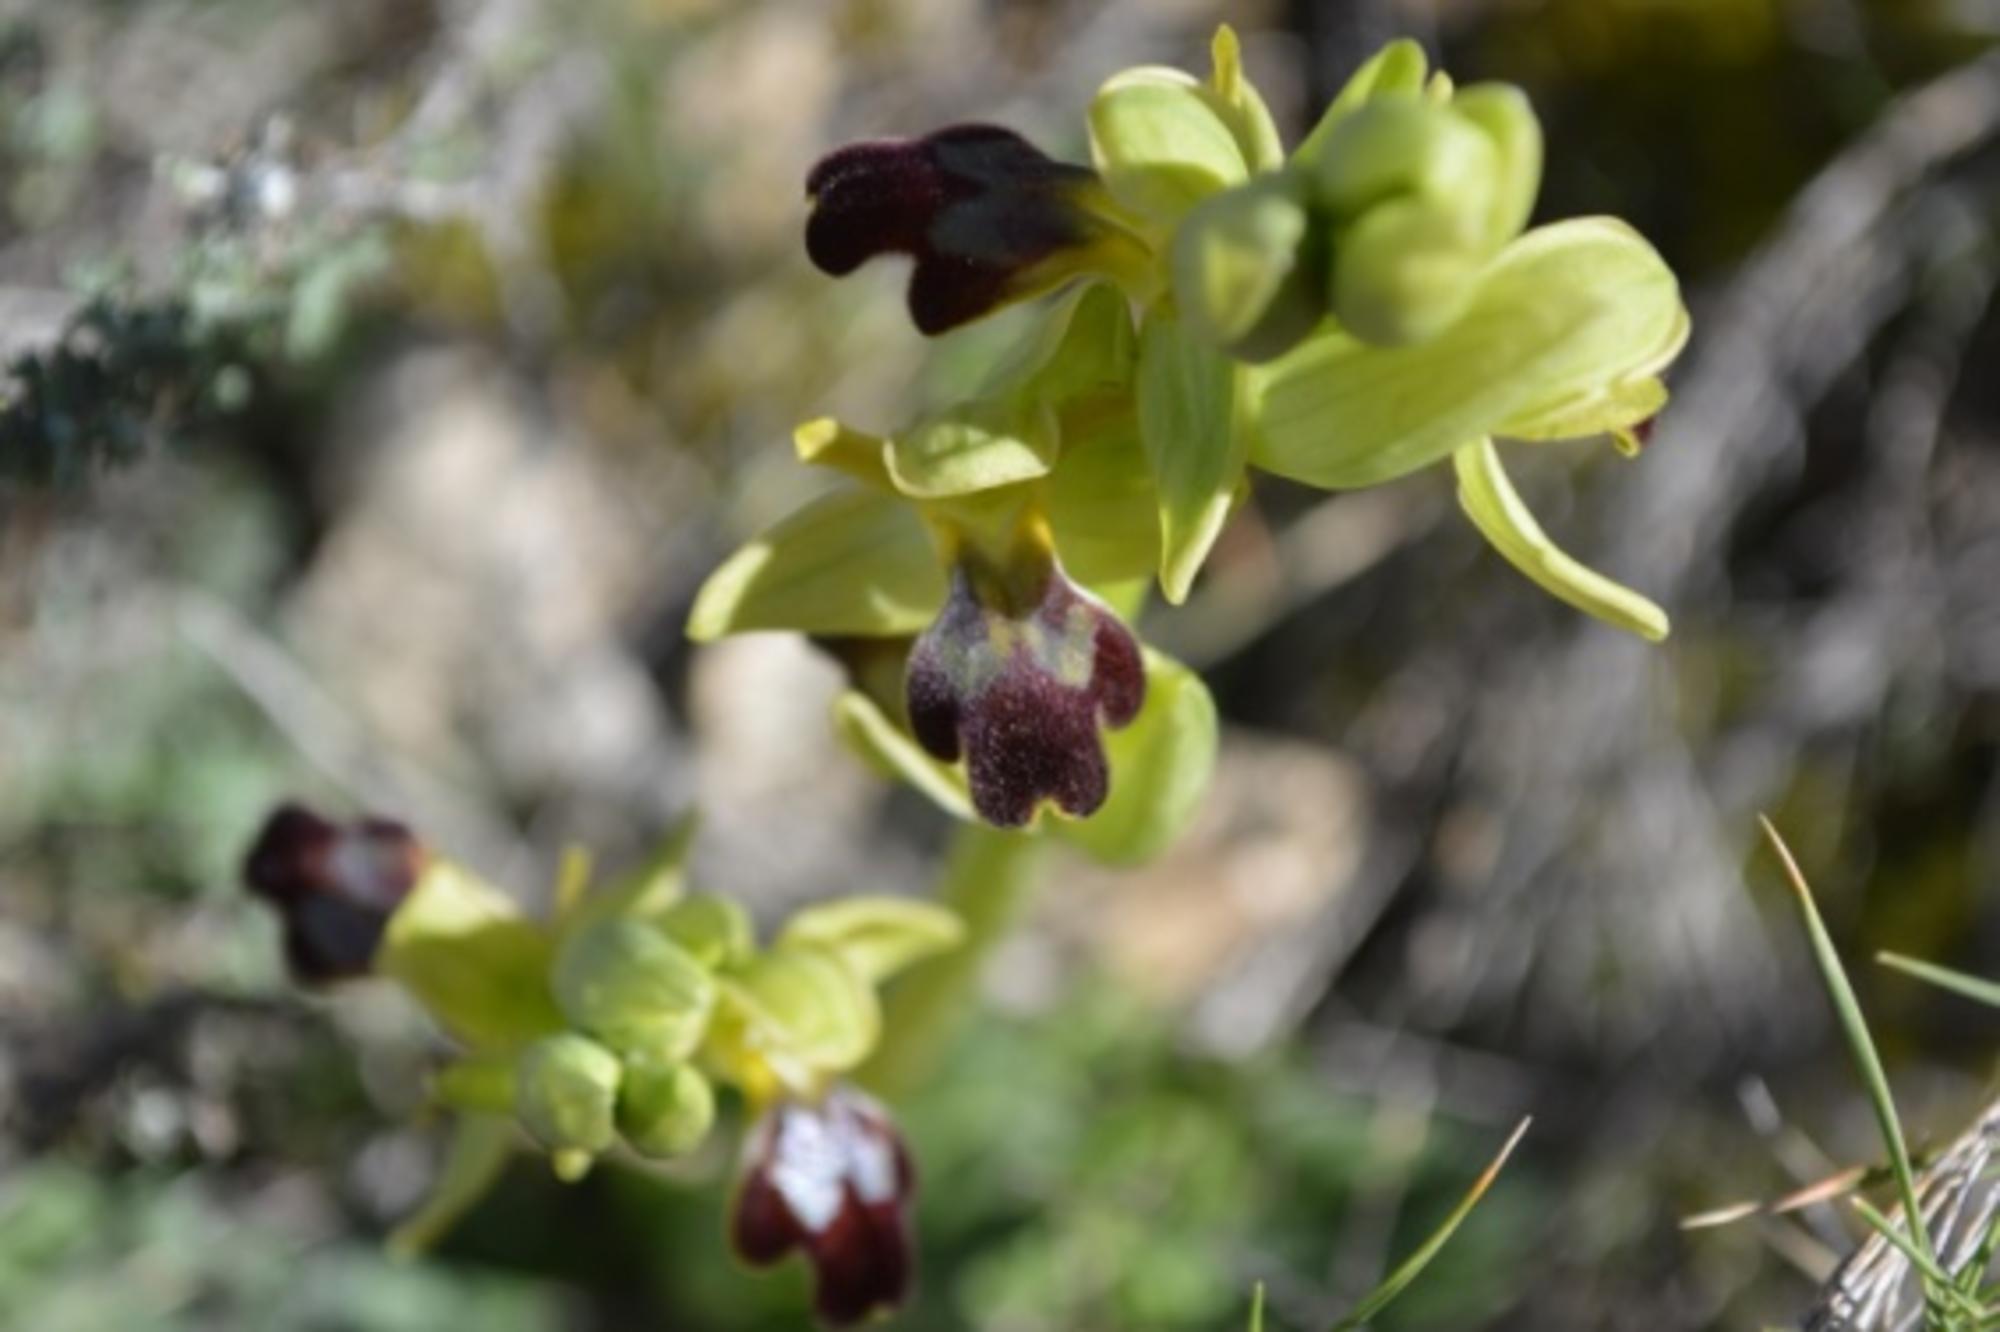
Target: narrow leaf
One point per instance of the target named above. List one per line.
(480, 1145)
(1860, 1045)
(1399, 1280)
(1971, 987)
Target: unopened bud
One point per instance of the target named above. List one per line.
(664, 1108)
(626, 983)
(565, 1094)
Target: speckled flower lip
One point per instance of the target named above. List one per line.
(1018, 680)
(834, 1180)
(988, 218)
(334, 886)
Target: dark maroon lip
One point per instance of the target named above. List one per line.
(831, 1179)
(976, 206)
(333, 885)
(987, 684)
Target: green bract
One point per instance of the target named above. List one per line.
(1365, 308)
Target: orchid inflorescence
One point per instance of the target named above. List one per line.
(613, 1023)
(1361, 308)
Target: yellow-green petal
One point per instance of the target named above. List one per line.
(975, 446)
(1489, 499)
(877, 936)
(1563, 312)
(854, 562)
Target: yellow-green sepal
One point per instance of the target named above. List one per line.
(876, 936)
(1490, 501)
(1613, 410)
(890, 750)
(1081, 345)
(1562, 313)
(464, 950)
(1160, 145)
(1190, 425)
(1161, 765)
(854, 562)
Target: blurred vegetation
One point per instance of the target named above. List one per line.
(387, 375)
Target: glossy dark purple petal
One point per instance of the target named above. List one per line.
(979, 208)
(1021, 695)
(833, 1180)
(335, 886)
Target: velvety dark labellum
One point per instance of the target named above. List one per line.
(1020, 692)
(976, 206)
(834, 1180)
(334, 885)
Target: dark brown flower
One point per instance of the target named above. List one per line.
(334, 886)
(988, 218)
(833, 1179)
(1017, 674)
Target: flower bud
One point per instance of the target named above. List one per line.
(334, 886)
(714, 931)
(664, 1108)
(1403, 273)
(1404, 146)
(565, 1096)
(1249, 269)
(626, 983)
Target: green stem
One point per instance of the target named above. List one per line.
(988, 879)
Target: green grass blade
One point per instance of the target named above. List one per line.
(1257, 1308)
(1860, 1045)
(1972, 987)
(1939, 1285)
(1399, 1280)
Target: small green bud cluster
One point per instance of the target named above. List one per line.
(649, 996)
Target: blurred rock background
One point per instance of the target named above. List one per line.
(399, 369)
